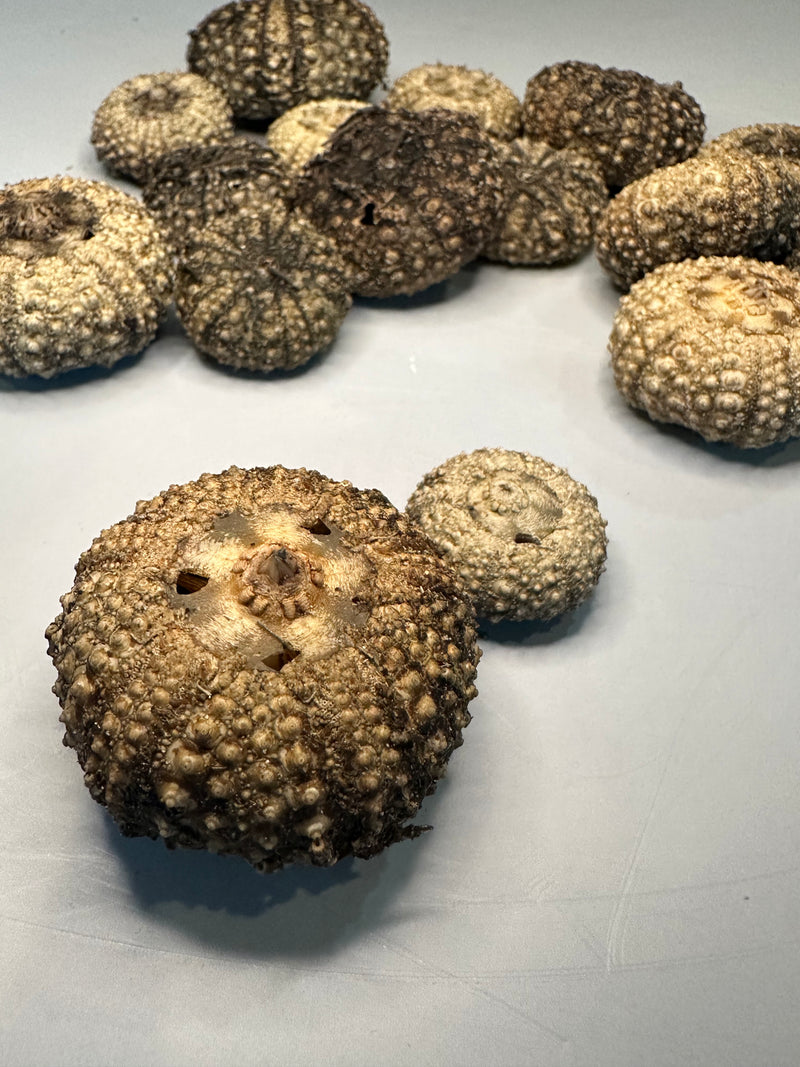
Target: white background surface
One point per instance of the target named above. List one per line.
(613, 874)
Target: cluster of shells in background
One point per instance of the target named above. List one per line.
(254, 741)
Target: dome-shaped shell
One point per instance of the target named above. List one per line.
(713, 344)
(85, 276)
(269, 55)
(629, 123)
(772, 140)
(302, 132)
(527, 540)
(408, 197)
(265, 663)
(459, 88)
(150, 115)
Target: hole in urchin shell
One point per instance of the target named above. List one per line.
(318, 528)
(188, 582)
(278, 660)
(526, 539)
(368, 218)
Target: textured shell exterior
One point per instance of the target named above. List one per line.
(408, 197)
(302, 132)
(628, 122)
(460, 88)
(85, 276)
(265, 296)
(720, 204)
(527, 539)
(151, 115)
(713, 344)
(265, 663)
(769, 139)
(552, 200)
(269, 55)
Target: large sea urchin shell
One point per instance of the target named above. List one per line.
(265, 663)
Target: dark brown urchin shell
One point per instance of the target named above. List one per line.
(265, 663)
(628, 122)
(552, 199)
(150, 115)
(269, 55)
(85, 276)
(262, 296)
(720, 203)
(408, 197)
(713, 344)
(194, 188)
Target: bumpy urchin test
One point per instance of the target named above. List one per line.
(551, 201)
(408, 197)
(773, 140)
(459, 88)
(527, 539)
(266, 663)
(713, 344)
(262, 294)
(302, 132)
(85, 276)
(629, 123)
(269, 55)
(151, 115)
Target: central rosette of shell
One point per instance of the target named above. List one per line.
(275, 579)
(41, 223)
(514, 509)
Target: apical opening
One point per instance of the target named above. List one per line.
(368, 218)
(526, 539)
(278, 660)
(190, 583)
(318, 528)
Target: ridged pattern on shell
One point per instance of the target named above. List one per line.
(264, 296)
(408, 197)
(85, 276)
(713, 344)
(269, 55)
(300, 704)
(526, 538)
(628, 122)
(302, 132)
(459, 88)
(720, 204)
(148, 116)
(552, 199)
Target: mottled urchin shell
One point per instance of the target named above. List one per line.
(150, 115)
(628, 122)
(408, 197)
(526, 538)
(459, 88)
(85, 276)
(713, 344)
(265, 663)
(719, 204)
(269, 55)
(302, 132)
(264, 296)
(772, 140)
(551, 201)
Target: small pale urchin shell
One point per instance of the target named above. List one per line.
(459, 88)
(628, 122)
(409, 197)
(551, 201)
(153, 114)
(302, 132)
(262, 296)
(266, 663)
(713, 344)
(526, 538)
(269, 55)
(85, 276)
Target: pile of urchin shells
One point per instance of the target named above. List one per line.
(274, 665)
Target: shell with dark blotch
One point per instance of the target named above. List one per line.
(713, 344)
(626, 121)
(264, 296)
(265, 663)
(194, 188)
(720, 204)
(269, 55)
(527, 540)
(409, 197)
(85, 276)
(459, 88)
(151, 115)
(552, 199)
(302, 132)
